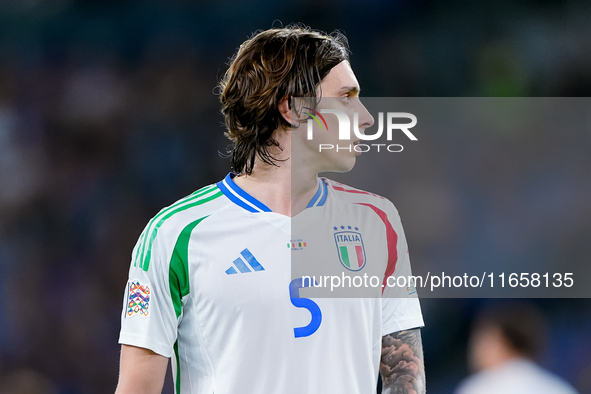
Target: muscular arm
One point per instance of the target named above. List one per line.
(402, 367)
(141, 372)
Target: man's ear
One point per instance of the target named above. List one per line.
(291, 110)
(285, 109)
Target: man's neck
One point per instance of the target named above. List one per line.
(283, 188)
(279, 188)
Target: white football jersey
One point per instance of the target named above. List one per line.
(210, 285)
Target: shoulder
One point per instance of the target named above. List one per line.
(199, 204)
(487, 381)
(163, 230)
(515, 377)
(354, 195)
(547, 381)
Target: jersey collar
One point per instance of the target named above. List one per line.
(251, 204)
(320, 197)
(239, 196)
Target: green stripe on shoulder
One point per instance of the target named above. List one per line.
(144, 257)
(179, 267)
(150, 227)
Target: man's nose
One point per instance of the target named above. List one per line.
(366, 120)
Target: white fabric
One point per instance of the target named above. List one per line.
(236, 331)
(515, 377)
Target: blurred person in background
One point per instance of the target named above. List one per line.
(505, 340)
(26, 381)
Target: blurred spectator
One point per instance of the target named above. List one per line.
(505, 339)
(26, 381)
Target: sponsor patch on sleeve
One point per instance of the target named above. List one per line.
(138, 302)
(411, 289)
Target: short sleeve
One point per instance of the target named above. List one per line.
(148, 319)
(401, 309)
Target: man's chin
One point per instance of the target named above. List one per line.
(344, 166)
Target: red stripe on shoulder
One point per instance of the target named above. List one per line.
(392, 241)
(347, 189)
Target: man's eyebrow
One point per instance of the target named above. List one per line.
(350, 89)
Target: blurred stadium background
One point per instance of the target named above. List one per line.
(108, 113)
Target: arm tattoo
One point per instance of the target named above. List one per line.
(402, 366)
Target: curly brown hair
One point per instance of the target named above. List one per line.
(269, 66)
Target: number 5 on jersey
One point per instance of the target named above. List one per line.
(294, 295)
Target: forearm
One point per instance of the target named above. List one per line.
(402, 366)
(141, 371)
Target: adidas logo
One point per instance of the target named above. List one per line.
(243, 266)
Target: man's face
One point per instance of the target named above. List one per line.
(339, 91)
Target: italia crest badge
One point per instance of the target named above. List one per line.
(350, 247)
